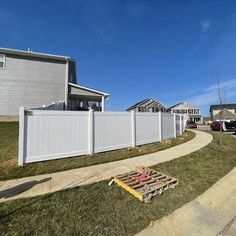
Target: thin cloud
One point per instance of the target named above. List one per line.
(226, 84)
(205, 25)
(209, 96)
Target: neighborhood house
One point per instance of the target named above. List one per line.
(33, 80)
(190, 112)
(229, 108)
(148, 105)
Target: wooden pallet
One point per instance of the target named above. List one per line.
(152, 184)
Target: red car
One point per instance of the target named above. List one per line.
(226, 126)
(216, 126)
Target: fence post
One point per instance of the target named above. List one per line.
(21, 150)
(133, 123)
(91, 132)
(180, 125)
(175, 135)
(160, 125)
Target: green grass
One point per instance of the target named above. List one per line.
(8, 141)
(9, 149)
(99, 209)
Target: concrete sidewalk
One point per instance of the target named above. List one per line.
(42, 184)
(212, 213)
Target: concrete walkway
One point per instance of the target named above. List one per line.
(212, 213)
(42, 184)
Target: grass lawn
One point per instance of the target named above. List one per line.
(99, 209)
(9, 152)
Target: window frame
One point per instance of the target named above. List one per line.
(4, 61)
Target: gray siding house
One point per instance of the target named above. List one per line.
(33, 80)
(148, 105)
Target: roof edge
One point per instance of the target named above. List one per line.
(182, 103)
(140, 103)
(89, 89)
(34, 54)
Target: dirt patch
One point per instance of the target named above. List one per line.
(135, 149)
(224, 148)
(167, 141)
(9, 164)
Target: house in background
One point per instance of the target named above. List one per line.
(148, 105)
(206, 120)
(215, 109)
(190, 112)
(32, 80)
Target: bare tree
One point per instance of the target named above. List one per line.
(221, 93)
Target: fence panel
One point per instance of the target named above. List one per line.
(47, 135)
(112, 130)
(55, 134)
(147, 128)
(178, 125)
(183, 124)
(168, 126)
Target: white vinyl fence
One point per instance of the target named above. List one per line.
(46, 135)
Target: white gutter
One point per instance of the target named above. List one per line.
(33, 54)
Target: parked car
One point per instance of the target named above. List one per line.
(191, 125)
(230, 126)
(216, 126)
(226, 126)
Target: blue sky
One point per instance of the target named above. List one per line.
(169, 50)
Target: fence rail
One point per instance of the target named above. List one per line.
(46, 135)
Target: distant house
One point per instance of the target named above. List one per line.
(206, 120)
(148, 105)
(215, 109)
(32, 80)
(190, 112)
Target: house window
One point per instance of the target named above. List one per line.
(2, 60)
(142, 109)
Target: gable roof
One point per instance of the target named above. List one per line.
(223, 106)
(144, 103)
(34, 54)
(187, 104)
(225, 115)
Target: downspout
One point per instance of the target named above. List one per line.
(66, 83)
